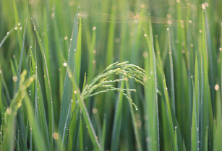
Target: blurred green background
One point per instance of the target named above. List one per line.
(177, 42)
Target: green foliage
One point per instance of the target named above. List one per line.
(72, 77)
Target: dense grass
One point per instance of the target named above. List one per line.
(69, 71)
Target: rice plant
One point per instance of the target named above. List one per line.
(110, 75)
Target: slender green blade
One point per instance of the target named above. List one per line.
(175, 145)
(12, 111)
(47, 87)
(78, 54)
(42, 115)
(13, 68)
(205, 94)
(111, 35)
(6, 36)
(151, 107)
(218, 135)
(20, 111)
(38, 137)
(76, 132)
(195, 128)
(68, 88)
(169, 114)
(104, 132)
(17, 22)
(117, 121)
(80, 140)
(21, 57)
(88, 123)
(171, 74)
(133, 119)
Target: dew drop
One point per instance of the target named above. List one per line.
(55, 135)
(15, 28)
(216, 87)
(64, 64)
(14, 78)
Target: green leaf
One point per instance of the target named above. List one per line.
(78, 54)
(117, 121)
(195, 128)
(218, 135)
(133, 119)
(20, 111)
(76, 132)
(151, 104)
(38, 138)
(171, 74)
(6, 36)
(175, 145)
(68, 87)
(12, 111)
(47, 88)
